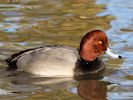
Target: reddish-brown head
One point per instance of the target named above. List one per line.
(93, 44)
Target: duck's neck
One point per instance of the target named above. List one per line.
(85, 62)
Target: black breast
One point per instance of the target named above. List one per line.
(86, 67)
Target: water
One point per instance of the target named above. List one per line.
(32, 23)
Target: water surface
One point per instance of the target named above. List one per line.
(32, 23)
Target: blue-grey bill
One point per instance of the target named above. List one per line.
(112, 54)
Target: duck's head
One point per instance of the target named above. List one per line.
(94, 44)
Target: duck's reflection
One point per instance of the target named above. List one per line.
(92, 90)
(89, 86)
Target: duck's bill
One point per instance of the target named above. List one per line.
(110, 53)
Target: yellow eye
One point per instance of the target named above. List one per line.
(100, 42)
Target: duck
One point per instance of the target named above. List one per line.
(64, 61)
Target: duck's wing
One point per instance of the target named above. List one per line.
(11, 61)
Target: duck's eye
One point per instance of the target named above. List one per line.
(100, 42)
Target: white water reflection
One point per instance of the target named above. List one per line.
(8, 27)
(120, 96)
(10, 7)
(4, 92)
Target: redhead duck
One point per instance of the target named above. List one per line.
(60, 60)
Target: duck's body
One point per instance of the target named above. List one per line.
(48, 61)
(62, 60)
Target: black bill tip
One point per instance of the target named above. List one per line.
(120, 57)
